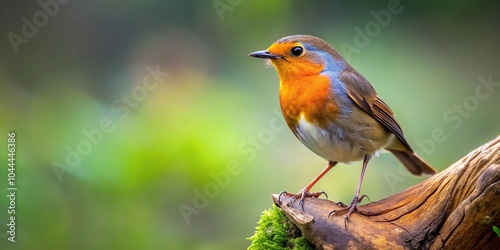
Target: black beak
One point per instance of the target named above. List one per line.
(264, 54)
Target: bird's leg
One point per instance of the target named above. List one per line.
(356, 200)
(305, 191)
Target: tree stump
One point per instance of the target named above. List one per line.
(454, 209)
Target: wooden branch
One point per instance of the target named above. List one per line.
(454, 209)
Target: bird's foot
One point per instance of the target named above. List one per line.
(301, 195)
(350, 209)
(341, 204)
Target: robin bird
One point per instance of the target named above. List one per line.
(334, 111)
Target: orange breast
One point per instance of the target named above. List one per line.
(310, 96)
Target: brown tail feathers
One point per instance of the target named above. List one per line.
(413, 162)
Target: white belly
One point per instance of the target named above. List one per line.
(330, 144)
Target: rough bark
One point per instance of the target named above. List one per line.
(454, 209)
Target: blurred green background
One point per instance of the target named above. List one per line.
(190, 159)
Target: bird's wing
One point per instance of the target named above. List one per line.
(362, 93)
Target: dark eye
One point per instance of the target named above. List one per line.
(297, 51)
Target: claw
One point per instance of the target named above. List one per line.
(342, 204)
(323, 192)
(301, 196)
(332, 212)
(281, 193)
(364, 196)
(301, 202)
(353, 207)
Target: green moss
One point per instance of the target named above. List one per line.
(274, 231)
(497, 231)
